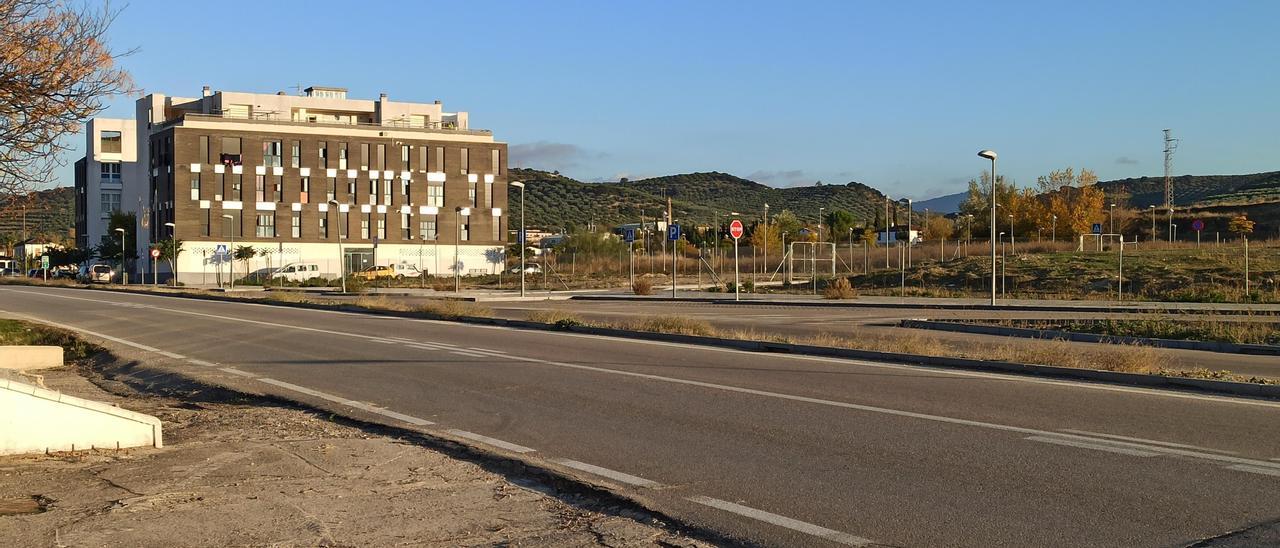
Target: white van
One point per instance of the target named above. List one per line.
(297, 272)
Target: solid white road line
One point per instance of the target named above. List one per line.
(468, 354)
(346, 401)
(201, 362)
(235, 371)
(1094, 446)
(1255, 469)
(1147, 441)
(783, 521)
(171, 355)
(607, 473)
(491, 441)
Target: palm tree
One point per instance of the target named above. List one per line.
(244, 253)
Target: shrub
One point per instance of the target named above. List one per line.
(451, 309)
(642, 286)
(840, 290)
(679, 325)
(559, 318)
(748, 286)
(729, 287)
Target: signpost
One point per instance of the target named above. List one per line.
(220, 256)
(44, 266)
(630, 236)
(673, 234)
(1197, 225)
(1097, 230)
(735, 230)
(155, 256)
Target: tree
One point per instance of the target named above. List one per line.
(68, 256)
(839, 221)
(978, 202)
(938, 228)
(1241, 226)
(109, 248)
(785, 221)
(170, 249)
(55, 71)
(244, 253)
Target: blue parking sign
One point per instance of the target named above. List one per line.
(673, 232)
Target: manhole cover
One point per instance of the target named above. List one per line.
(22, 505)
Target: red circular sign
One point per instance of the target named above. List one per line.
(735, 229)
(155, 252)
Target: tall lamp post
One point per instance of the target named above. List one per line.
(124, 272)
(1111, 212)
(766, 239)
(991, 155)
(457, 247)
(173, 250)
(231, 278)
(1153, 223)
(520, 238)
(1054, 234)
(342, 259)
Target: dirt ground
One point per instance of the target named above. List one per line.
(245, 473)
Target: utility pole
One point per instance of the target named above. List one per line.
(1170, 145)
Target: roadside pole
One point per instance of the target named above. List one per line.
(673, 234)
(1120, 278)
(735, 230)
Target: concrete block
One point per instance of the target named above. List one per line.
(36, 420)
(22, 358)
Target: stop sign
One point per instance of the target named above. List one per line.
(735, 229)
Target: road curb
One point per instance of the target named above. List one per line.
(1208, 346)
(835, 303)
(1269, 391)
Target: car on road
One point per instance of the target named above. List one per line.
(96, 274)
(397, 271)
(297, 272)
(533, 268)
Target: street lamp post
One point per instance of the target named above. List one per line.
(1153, 223)
(124, 272)
(991, 155)
(851, 250)
(1003, 261)
(520, 238)
(1013, 248)
(766, 240)
(173, 250)
(1111, 210)
(910, 240)
(1053, 235)
(459, 213)
(342, 260)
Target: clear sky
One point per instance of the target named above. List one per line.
(897, 95)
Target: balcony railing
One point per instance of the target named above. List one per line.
(273, 118)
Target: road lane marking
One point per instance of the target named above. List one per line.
(1147, 441)
(345, 401)
(607, 473)
(491, 441)
(235, 371)
(399, 416)
(468, 354)
(1255, 469)
(1094, 446)
(170, 355)
(487, 350)
(201, 362)
(783, 521)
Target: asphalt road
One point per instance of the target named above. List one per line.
(771, 449)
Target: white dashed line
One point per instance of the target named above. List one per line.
(605, 472)
(234, 371)
(1255, 469)
(1143, 440)
(486, 350)
(201, 362)
(1094, 446)
(491, 441)
(468, 354)
(783, 521)
(170, 355)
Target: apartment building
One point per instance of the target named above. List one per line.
(298, 177)
(111, 159)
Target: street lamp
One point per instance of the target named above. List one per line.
(820, 210)
(1112, 212)
(342, 260)
(1153, 223)
(457, 243)
(173, 250)
(1054, 234)
(1012, 246)
(232, 250)
(520, 238)
(124, 272)
(991, 155)
(1003, 262)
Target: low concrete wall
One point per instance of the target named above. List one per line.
(980, 329)
(22, 358)
(36, 420)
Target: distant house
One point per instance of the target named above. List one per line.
(897, 234)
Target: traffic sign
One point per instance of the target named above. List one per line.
(1197, 225)
(735, 229)
(1097, 228)
(155, 253)
(520, 236)
(629, 235)
(44, 262)
(673, 232)
(220, 250)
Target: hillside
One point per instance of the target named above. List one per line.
(554, 200)
(50, 213)
(1200, 190)
(943, 204)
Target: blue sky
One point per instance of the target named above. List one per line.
(897, 95)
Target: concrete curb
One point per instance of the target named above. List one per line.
(834, 303)
(48, 420)
(1208, 346)
(1269, 391)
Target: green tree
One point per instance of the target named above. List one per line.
(109, 248)
(839, 221)
(244, 253)
(785, 221)
(170, 249)
(69, 256)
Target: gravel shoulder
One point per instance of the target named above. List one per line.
(238, 471)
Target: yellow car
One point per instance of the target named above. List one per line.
(398, 271)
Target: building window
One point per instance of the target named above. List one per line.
(488, 194)
(109, 142)
(381, 160)
(435, 194)
(204, 149)
(205, 216)
(440, 159)
(364, 227)
(404, 189)
(386, 192)
(364, 156)
(406, 226)
(342, 156)
(382, 227)
(405, 162)
(230, 151)
(493, 162)
(422, 158)
(331, 193)
(373, 191)
(464, 161)
(271, 154)
(296, 156)
(305, 193)
(232, 226)
(235, 187)
(351, 191)
(195, 186)
(323, 152)
(346, 224)
(471, 193)
(495, 227)
(324, 226)
(110, 173)
(110, 202)
(266, 227)
(260, 187)
(296, 223)
(279, 187)
(427, 229)
(464, 231)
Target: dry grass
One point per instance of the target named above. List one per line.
(679, 325)
(840, 289)
(450, 309)
(555, 317)
(642, 286)
(290, 297)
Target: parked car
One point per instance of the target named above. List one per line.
(529, 268)
(96, 274)
(397, 271)
(297, 272)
